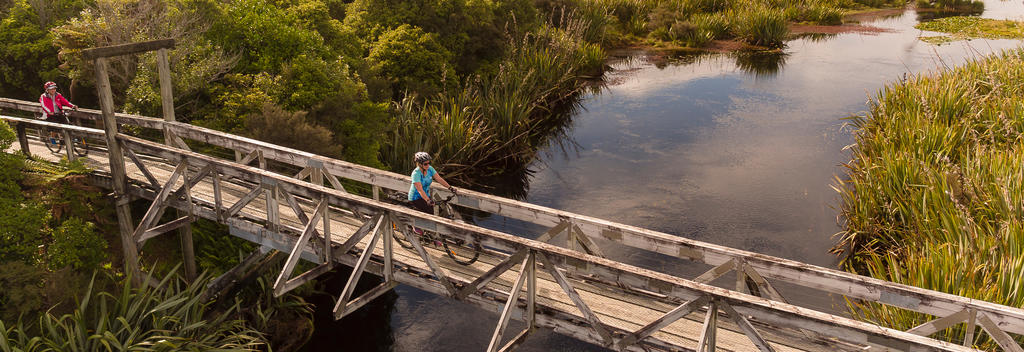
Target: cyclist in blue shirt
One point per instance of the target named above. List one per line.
(422, 177)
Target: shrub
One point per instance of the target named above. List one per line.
(76, 244)
(290, 129)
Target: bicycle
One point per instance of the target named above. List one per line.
(455, 248)
(55, 141)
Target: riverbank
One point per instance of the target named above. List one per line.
(934, 191)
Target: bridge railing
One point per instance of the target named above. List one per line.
(584, 229)
(530, 255)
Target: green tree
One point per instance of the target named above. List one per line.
(413, 59)
(195, 61)
(265, 35)
(27, 55)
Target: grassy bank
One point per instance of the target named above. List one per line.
(935, 188)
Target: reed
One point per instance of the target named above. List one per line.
(934, 192)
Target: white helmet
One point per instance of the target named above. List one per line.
(421, 157)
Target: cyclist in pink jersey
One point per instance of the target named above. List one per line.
(53, 104)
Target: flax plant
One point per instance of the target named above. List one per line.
(168, 317)
(935, 191)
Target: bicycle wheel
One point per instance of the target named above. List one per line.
(80, 146)
(460, 251)
(54, 144)
(399, 237)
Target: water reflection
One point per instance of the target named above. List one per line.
(761, 64)
(925, 15)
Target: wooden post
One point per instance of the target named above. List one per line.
(117, 170)
(167, 103)
(23, 139)
(68, 145)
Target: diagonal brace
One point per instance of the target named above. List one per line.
(588, 314)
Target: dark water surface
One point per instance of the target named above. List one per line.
(736, 150)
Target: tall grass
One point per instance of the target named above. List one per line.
(935, 189)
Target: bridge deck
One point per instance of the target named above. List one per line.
(615, 308)
(579, 291)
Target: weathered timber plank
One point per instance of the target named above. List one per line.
(126, 49)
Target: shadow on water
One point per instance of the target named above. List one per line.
(366, 329)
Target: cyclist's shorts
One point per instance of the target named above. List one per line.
(57, 118)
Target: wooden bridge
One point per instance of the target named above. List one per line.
(307, 206)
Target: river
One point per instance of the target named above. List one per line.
(736, 150)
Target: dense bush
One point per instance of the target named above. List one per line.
(413, 59)
(76, 244)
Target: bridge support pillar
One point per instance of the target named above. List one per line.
(120, 183)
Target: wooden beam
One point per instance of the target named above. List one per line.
(363, 230)
(708, 332)
(126, 49)
(118, 173)
(23, 139)
(1002, 338)
(357, 272)
(552, 232)
(665, 320)
(934, 326)
(746, 327)
(588, 314)
(165, 227)
(441, 276)
(513, 300)
(495, 271)
(142, 168)
(293, 257)
(586, 243)
(972, 316)
(255, 192)
(158, 205)
(716, 272)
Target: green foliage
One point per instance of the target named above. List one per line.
(290, 129)
(265, 35)
(170, 317)
(7, 136)
(413, 59)
(358, 127)
(935, 186)
(23, 227)
(22, 291)
(216, 250)
(76, 244)
(309, 81)
(27, 57)
(238, 96)
(762, 26)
